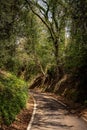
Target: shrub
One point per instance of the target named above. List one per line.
(13, 97)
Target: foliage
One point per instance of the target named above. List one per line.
(10, 12)
(75, 57)
(75, 60)
(52, 14)
(36, 36)
(13, 96)
(52, 71)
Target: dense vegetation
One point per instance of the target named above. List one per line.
(46, 39)
(67, 25)
(13, 95)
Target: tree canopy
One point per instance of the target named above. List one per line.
(46, 38)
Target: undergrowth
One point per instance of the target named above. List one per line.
(13, 97)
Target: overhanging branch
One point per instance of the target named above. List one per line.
(42, 19)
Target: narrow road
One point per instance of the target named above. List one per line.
(51, 115)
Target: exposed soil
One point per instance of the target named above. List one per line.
(22, 118)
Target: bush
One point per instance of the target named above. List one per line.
(72, 94)
(13, 96)
(52, 71)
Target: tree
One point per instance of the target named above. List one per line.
(52, 13)
(9, 15)
(76, 50)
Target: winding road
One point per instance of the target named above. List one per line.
(51, 115)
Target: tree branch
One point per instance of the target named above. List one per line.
(44, 21)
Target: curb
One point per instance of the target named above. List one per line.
(35, 108)
(58, 101)
(84, 118)
(33, 114)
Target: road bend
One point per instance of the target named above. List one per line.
(51, 115)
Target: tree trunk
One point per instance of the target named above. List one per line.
(56, 47)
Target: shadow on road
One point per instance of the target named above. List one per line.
(49, 112)
(52, 115)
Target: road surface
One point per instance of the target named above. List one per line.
(51, 115)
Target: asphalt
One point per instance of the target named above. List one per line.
(51, 115)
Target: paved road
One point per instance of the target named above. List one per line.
(51, 115)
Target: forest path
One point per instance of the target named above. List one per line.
(51, 115)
